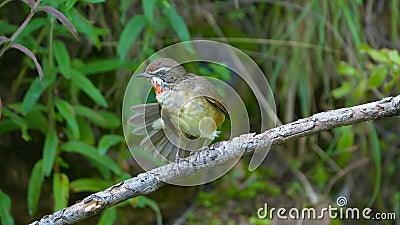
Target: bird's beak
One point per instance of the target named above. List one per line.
(143, 75)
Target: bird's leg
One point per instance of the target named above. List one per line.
(216, 133)
(177, 158)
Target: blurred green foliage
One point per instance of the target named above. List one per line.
(317, 55)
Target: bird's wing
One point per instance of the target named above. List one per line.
(155, 139)
(206, 90)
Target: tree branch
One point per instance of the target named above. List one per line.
(218, 154)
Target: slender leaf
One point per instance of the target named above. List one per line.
(85, 26)
(33, 94)
(176, 21)
(19, 122)
(60, 191)
(91, 153)
(35, 187)
(7, 126)
(87, 86)
(1, 107)
(145, 201)
(5, 208)
(129, 35)
(60, 16)
(112, 120)
(105, 65)
(107, 141)
(68, 114)
(32, 56)
(148, 9)
(101, 118)
(95, 1)
(33, 25)
(62, 58)
(108, 217)
(36, 120)
(89, 185)
(49, 152)
(85, 131)
(377, 154)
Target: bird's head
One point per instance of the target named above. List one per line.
(163, 74)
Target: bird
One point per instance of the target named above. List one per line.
(188, 112)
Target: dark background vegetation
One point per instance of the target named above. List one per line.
(63, 140)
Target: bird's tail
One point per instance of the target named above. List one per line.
(166, 141)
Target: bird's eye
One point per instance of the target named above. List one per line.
(161, 73)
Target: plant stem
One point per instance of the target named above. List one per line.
(20, 28)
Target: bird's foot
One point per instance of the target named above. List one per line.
(216, 133)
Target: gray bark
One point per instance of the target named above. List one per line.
(220, 153)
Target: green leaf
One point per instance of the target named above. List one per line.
(145, 201)
(19, 122)
(112, 120)
(176, 21)
(7, 126)
(360, 90)
(378, 75)
(377, 154)
(394, 56)
(92, 154)
(129, 34)
(62, 57)
(60, 191)
(89, 185)
(107, 141)
(68, 114)
(346, 69)
(378, 56)
(69, 4)
(33, 94)
(33, 25)
(346, 140)
(103, 119)
(342, 91)
(108, 217)
(49, 152)
(85, 26)
(35, 187)
(5, 208)
(100, 66)
(148, 9)
(86, 132)
(36, 120)
(87, 86)
(95, 1)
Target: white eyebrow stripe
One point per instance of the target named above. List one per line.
(157, 80)
(166, 69)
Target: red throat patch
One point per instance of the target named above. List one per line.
(158, 89)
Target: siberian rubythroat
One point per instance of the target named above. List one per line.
(187, 115)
